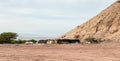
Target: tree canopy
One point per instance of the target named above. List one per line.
(7, 37)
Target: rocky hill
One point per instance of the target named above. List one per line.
(105, 25)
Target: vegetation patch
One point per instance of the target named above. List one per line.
(92, 40)
(7, 37)
(10, 38)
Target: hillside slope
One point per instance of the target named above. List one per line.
(105, 25)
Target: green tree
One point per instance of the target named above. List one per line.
(7, 37)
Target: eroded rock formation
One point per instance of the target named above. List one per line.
(105, 25)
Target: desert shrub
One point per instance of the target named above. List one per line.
(22, 41)
(68, 41)
(34, 41)
(14, 42)
(18, 41)
(92, 40)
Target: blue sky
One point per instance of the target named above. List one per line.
(47, 18)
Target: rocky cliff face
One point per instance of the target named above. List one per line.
(105, 25)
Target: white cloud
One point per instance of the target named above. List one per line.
(22, 11)
(1, 15)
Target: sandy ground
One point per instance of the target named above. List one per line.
(71, 52)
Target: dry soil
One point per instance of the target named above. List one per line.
(65, 52)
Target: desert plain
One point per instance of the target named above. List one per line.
(60, 52)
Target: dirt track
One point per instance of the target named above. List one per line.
(95, 52)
